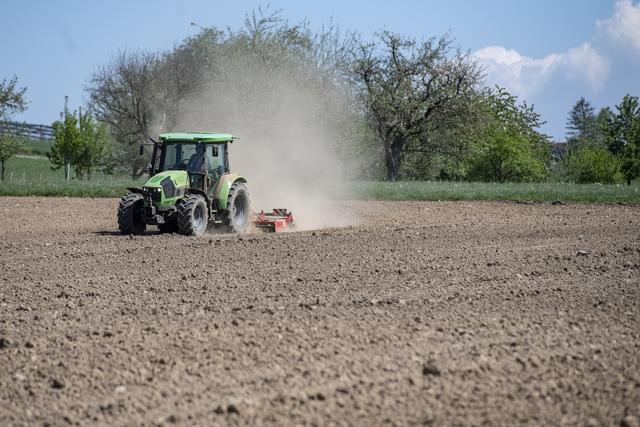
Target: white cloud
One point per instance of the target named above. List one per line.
(520, 74)
(624, 26)
(585, 63)
(525, 76)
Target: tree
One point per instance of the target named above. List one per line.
(581, 125)
(631, 162)
(624, 140)
(509, 147)
(124, 94)
(67, 141)
(404, 84)
(590, 164)
(9, 145)
(94, 145)
(12, 101)
(79, 141)
(504, 157)
(604, 123)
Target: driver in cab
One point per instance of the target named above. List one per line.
(198, 161)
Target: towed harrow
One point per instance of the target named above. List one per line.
(277, 220)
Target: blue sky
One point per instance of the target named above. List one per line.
(547, 52)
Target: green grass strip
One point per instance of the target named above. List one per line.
(566, 192)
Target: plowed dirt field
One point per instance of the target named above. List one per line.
(421, 313)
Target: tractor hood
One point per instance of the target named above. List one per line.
(172, 183)
(179, 179)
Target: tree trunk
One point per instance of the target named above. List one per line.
(2, 164)
(628, 179)
(67, 171)
(391, 165)
(392, 154)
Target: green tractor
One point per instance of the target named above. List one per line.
(190, 187)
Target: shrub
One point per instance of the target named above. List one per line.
(503, 157)
(593, 164)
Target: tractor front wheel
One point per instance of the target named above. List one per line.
(131, 214)
(235, 218)
(193, 216)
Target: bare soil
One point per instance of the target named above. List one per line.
(423, 313)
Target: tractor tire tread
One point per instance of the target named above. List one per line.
(126, 207)
(225, 216)
(185, 214)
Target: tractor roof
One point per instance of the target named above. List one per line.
(197, 137)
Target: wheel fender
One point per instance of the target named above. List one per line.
(135, 190)
(223, 187)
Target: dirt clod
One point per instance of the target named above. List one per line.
(56, 384)
(430, 370)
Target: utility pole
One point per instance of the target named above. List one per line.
(67, 160)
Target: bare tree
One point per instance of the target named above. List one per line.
(405, 84)
(123, 94)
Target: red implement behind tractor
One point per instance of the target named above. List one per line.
(278, 220)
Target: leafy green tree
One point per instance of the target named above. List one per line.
(631, 162)
(79, 141)
(625, 128)
(503, 156)
(12, 101)
(604, 123)
(67, 141)
(624, 139)
(591, 163)
(9, 145)
(509, 148)
(94, 146)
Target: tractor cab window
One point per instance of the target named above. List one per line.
(176, 156)
(184, 156)
(215, 159)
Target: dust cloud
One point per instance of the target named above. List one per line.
(293, 128)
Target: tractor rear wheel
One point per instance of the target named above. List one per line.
(131, 214)
(193, 216)
(235, 218)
